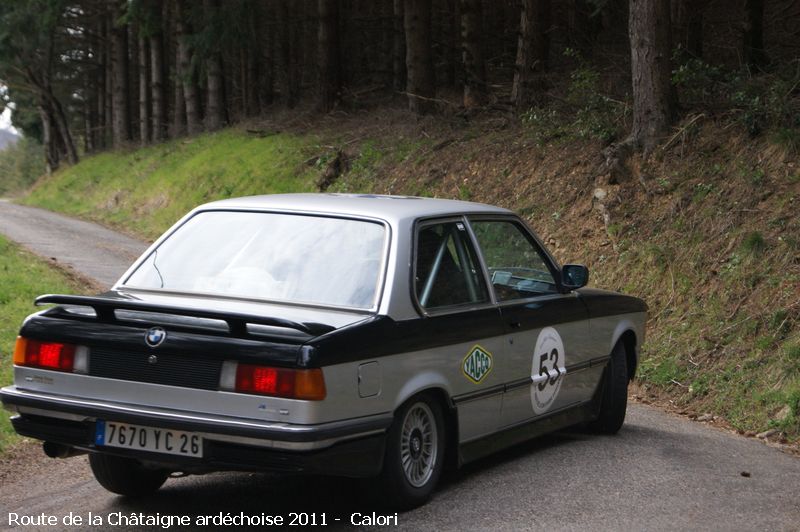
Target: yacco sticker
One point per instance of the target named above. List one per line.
(547, 370)
(477, 364)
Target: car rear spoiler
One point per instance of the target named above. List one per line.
(237, 323)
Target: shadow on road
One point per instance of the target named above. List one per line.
(254, 494)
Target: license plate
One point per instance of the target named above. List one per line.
(125, 435)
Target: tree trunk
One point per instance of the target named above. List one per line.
(398, 47)
(186, 71)
(452, 42)
(144, 90)
(533, 50)
(90, 112)
(296, 13)
(472, 54)
(63, 129)
(694, 31)
(266, 85)
(215, 86)
(215, 109)
(50, 153)
(387, 43)
(307, 41)
(754, 53)
(158, 87)
(109, 82)
(120, 96)
(179, 102)
(133, 78)
(285, 53)
(251, 84)
(101, 48)
(649, 31)
(328, 48)
(421, 84)
(53, 117)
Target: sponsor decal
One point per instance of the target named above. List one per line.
(548, 369)
(477, 364)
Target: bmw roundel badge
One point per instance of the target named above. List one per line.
(155, 336)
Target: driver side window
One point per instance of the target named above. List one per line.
(516, 266)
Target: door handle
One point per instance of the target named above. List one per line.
(514, 324)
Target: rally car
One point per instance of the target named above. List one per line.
(352, 335)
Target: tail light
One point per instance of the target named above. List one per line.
(50, 355)
(307, 384)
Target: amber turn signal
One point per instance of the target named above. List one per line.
(307, 384)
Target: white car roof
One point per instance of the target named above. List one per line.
(393, 209)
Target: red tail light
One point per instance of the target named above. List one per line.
(47, 355)
(279, 382)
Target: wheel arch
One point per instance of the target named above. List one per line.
(629, 342)
(437, 390)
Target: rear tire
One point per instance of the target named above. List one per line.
(125, 476)
(614, 401)
(415, 449)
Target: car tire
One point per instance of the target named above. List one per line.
(414, 456)
(614, 399)
(125, 476)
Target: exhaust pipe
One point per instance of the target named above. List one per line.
(58, 450)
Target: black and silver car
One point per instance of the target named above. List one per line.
(352, 335)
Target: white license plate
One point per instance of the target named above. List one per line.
(125, 435)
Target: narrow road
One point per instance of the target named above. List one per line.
(660, 472)
(91, 250)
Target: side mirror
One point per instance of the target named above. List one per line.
(574, 276)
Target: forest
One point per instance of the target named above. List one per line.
(84, 76)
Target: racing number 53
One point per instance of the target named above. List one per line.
(548, 367)
(551, 379)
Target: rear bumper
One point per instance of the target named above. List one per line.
(352, 447)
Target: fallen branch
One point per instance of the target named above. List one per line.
(437, 100)
(682, 130)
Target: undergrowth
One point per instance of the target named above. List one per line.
(20, 165)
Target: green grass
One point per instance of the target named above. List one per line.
(22, 278)
(145, 191)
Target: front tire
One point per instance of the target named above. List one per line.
(614, 402)
(414, 453)
(125, 476)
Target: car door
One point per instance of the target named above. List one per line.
(547, 333)
(460, 317)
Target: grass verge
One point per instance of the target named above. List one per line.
(22, 277)
(144, 191)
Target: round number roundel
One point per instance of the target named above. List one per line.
(547, 370)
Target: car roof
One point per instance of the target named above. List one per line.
(389, 208)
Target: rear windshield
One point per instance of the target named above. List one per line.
(277, 257)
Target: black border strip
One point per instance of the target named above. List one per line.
(519, 383)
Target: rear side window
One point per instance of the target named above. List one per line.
(516, 265)
(447, 271)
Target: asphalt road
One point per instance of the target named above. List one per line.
(92, 250)
(661, 472)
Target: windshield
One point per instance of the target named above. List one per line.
(277, 257)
